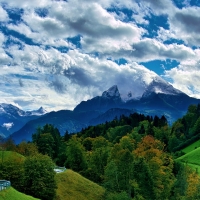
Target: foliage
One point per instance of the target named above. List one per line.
(116, 133)
(143, 182)
(48, 140)
(186, 130)
(160, 165)
(76, 158)
(11, 168)
(39, 178)
(118, 196)
(27, 149)
(98, 160)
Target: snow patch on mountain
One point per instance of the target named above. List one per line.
(158, 85)
(112, 92)
(11, 110)
(40, 111)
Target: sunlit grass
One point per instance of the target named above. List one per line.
(73, 186)
(12, 194)
(191, 147)
(192, 159)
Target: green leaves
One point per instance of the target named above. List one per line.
(39, 178)
(76, 158)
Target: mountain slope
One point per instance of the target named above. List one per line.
(63, 120)
(109, 99)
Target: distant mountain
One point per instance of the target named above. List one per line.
(159, 98)
(109, 99)
(39, 112)
(110, 115)
(160, 86)
(13, 118)
(72, 121)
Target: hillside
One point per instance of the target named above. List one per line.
(191, 147)
(11, 156)
(73, 186)
(191, 158)
(12, 194)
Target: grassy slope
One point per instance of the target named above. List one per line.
(73, 186)
(191, 147)
(12, 194)
(10, 155)
(192, 157)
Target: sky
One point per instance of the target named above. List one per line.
(56, 53)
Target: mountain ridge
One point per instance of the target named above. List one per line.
(159, 98)
(13, 118)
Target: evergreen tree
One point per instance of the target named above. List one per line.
(144, 180)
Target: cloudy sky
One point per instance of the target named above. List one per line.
(56, 53)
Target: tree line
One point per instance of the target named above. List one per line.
(131, 157)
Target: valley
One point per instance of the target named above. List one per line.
(111, 160)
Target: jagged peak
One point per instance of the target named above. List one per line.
(41, 110)
(112, 92)
(158, 85)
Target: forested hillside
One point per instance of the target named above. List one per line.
(131, 157)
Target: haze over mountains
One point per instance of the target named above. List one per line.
(159, 98)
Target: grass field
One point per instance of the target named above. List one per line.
(12, 194)
(192, 158)
(10, 155)
(191, 147)
(73, 186)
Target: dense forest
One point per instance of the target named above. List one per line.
(131, 157)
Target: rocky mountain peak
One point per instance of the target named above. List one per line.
(112, 92)
(158, 85)
(41, 110)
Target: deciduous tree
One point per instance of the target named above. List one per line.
(39, 178)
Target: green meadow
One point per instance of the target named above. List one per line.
(192, 156)
(73, 186)
(191, 147)
(12, 194)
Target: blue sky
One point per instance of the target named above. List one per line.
(56, 53)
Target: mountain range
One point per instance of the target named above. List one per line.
(159, 98)
(13, 118)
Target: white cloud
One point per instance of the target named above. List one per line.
(3, 14)
(186, 76)
(8, 125)
(27, 4)
(56, 79)
(185, 23)
(89, 20)
(39, 74)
